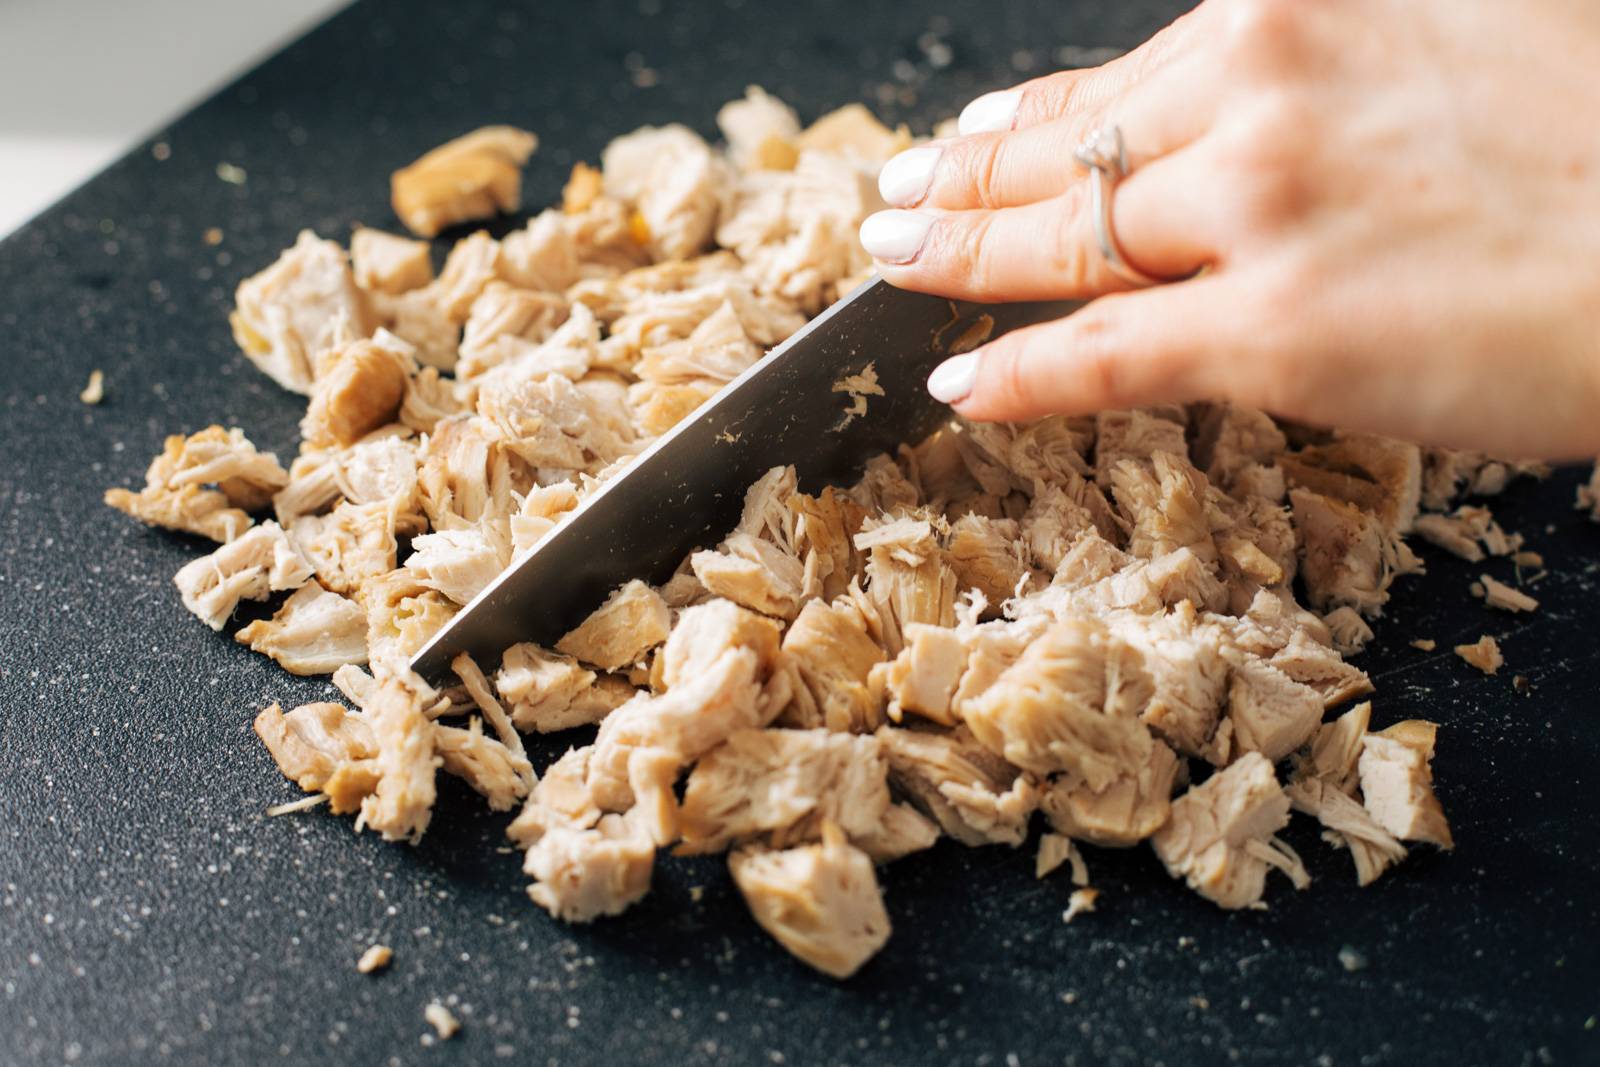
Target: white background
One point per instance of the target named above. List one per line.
(83, 80)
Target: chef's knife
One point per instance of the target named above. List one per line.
(800, 404)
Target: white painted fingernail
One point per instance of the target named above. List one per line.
(904, 180)
(952, 380)
(895, 236)
(990, 113)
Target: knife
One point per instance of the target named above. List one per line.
(809, 402)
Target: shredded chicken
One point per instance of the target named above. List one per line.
(1077, 616)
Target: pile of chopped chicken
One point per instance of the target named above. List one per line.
(1091, 619)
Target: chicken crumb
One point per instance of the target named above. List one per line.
(1484, 654)
(1499, 595)
(1425, 644)
(376, 958)
(1080, 901)
(442, 1019)
(95, 391)
(1352, 959)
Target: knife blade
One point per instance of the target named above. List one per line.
(686, 489)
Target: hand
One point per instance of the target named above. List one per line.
(1394, 207)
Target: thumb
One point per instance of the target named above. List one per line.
(1123, 350)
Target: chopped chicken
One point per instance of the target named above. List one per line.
(310, 743)
(1469, 532)
(704, 632)
(1219, 837)
(314, 632)
(385, 263)
(582, 874)
(502, 776)
(359, 388)
(1269, 711)
(1397, 783)
(1372, 847)
(975, 796)
(1484, 654)
(349, 546)
(457, 563)
(402, 614)
(1335, 749)
(304, 303)
(854, 132)
(1379, 475)
(987, 555)
(1349, 558)
(1063, 615)
(1349, 630)
(821, 902)
(401, 802)
(1054, 850)
(630, 623)
(472, 177)
(924, 678)
(174, 494)
(1071, 702)
(833, 655)
(1125, 812)
(688, 720)
(761, 131)
(780, 785)
(1499, 595)
(257, 563)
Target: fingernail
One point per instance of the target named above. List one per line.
(990, 113)
(904, 180)
(952, 380)
(895, 236)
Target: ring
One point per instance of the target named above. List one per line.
(1104, 153)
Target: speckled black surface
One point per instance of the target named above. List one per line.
(149, 913)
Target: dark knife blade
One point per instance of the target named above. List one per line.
(685, 490)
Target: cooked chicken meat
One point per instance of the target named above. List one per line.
(472, 177)
(821, 902)
(1072, 615)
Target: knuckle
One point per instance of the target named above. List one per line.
(969, 254)
(1053, 97)
(1255, 30)
(1271, 154)
(1098, 351)
(982, 166)
(1071, 255)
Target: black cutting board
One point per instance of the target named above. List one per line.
(150, 913)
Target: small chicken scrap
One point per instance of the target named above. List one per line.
(1093, 619)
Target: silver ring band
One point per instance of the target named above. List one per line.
(1106, 156)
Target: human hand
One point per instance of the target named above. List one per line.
(1395, 203)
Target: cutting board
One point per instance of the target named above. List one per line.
(150, 912)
